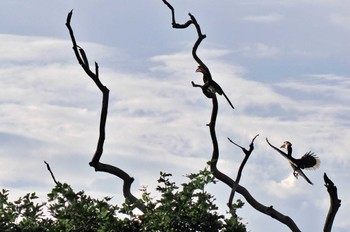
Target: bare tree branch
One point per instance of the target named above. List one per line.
(335, 203)
(197, 43)
(210, 87)
(173, 19)
(52, 175)
(185, 25)
(239, 174)
(95, 162)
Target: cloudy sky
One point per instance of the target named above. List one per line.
(284, 65)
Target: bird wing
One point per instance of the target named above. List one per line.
(216, 86)
(308, 161)
(280, 151)
(219, 90)
(301, 173)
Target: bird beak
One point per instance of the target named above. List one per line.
(199, 69)
(283, 146)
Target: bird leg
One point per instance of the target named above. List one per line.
(296, 174)
(196, 85)
(205, 90)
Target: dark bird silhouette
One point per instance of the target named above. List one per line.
(210, 85)
(308, 161)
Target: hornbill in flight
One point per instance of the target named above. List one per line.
(210, 86)
(307, 161)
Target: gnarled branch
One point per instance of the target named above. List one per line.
(95, 162)
(173, 19)
(185, 25)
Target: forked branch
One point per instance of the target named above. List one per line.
(95, 162)
(239, 174)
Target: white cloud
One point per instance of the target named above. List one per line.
(260, 50)
(269, 18)
(341, 20)
(322, 85)
(183, 61)
(328, 3)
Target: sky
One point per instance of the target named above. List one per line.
(284, 64)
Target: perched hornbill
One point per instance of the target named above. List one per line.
(307, 161)
(210, 85)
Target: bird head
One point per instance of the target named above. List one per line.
(200, 69)
(286, 144)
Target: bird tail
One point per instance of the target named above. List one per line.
(311, 160)
(229, 102)
(301, 173)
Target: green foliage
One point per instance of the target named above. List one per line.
(189, 208)
(22, 214)
(79, 212)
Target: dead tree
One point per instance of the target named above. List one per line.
(95, 162)
(215, 154)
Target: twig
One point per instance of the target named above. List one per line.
(52, 175)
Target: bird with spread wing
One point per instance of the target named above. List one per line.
(308, 161)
